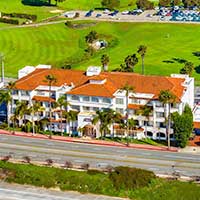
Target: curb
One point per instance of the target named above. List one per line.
(92, 143)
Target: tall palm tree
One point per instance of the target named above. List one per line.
(145, 111)
(167, 97)
(21, 110)
(142, 49)
(128, 89)
(72, 116)
(101, 118)
(104, 61)
(51, 79)
(33, 110)
(61, 102)
(6, 97)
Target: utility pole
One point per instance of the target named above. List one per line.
(2, 67)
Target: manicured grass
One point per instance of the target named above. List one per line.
(98, 183)
(54, 44)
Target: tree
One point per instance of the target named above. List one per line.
(183, 126)
(6, 97)
(145, 4)
(91, 37)
(188, 68)
(51, 80)
(145, 111)
(101, 117)
(61, 102)
(104, 61)
(131, 61)
(167, 97)
(35, 109)
(21, 110)
(142, 51)
(110, 4)
(128, 89)
(164, 3)
(190, 3)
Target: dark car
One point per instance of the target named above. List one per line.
(89, 13)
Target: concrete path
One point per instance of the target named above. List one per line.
(21, 192)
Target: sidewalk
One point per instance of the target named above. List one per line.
(90, 141)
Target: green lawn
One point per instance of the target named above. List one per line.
(54, 44)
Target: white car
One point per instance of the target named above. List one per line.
(106, 11)
(125, 12)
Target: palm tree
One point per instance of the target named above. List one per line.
(104, 61)
(61, 102)
(51, 80)
(142, 51)
(145, 111)
(128, 89)
(101, 117)
(167, 97)
(72, 114)
(21, 110)
(6, 97)
(35, 109)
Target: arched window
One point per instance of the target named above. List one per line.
(160, 135)
(149, 134)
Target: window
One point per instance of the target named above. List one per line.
(106, 100)
(160, 114)
(75, 98)
(159, 104)
(95, 99)
(24, 93)
(15, 92)
(40, 93)
(86, 108)
(77, 108)
(86, 98)
(160, 124)
(119, 101)
(95, 108)
(120, 110)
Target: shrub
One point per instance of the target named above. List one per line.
(9, 21)
(130, 178)
(49, 162)
(109, 169)
(6, 158)
(68, 164)
(85, 166)
(27, 159)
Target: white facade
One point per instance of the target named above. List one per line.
(87, 105)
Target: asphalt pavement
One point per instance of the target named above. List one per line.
(99, 156)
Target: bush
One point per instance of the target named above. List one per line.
(27, 159)
(49, 162)
(6, 158)
(20, 15)
(85, 166)
(9, 21)
(68, 164)
(130, 178)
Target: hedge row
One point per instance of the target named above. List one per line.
(9, 21)
(20, 15)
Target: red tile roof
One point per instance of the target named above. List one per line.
(196, 125)
(114, 81)
(40, 98)
(134, 106)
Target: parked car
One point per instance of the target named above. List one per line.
(89, 13)
(126, 12)
(106, 11)
(98, 15)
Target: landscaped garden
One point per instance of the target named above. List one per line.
(134, 183)
(55, 44)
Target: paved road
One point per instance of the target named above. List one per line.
(99, 156)
(19, 192)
